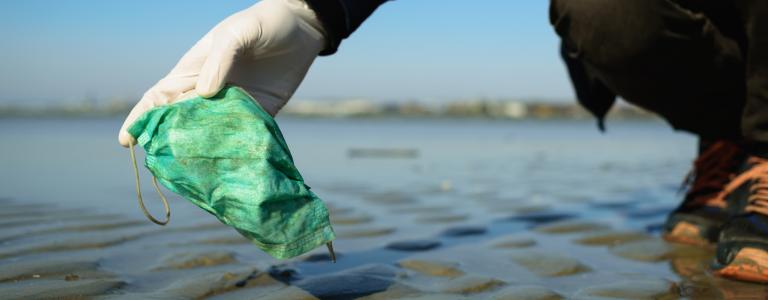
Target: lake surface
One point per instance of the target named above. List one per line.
(476, 209)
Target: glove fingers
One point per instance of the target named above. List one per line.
(215, 71)
(144, 105)
(175, 86)
(190, 64)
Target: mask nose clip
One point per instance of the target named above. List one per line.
(157, 188)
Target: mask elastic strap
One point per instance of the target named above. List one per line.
(157, 188)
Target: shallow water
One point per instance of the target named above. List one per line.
(477, 209)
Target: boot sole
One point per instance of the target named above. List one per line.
(750, 264)
(686, 233)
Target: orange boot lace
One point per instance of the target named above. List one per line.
(757, 202)
(711, 171)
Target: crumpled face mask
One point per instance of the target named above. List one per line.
(227, 156)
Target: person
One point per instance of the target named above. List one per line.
(698, 64)
(703, 67)
(265, 49)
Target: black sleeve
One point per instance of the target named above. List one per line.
(591, 93)
(342, 17)
(755, 117)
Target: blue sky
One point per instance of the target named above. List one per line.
(434, 50)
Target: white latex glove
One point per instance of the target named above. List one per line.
(265, 49)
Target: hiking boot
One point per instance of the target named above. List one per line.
(742, 249)
(698, 219)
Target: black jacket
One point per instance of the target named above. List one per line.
(341, 17)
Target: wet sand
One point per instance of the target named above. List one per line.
(487, 211)
(432, 248)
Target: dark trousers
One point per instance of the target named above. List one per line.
(700, 64)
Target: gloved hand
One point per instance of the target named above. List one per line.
(265, 49)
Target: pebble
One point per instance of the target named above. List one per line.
(549, 264)
(612, 238)
(470, 284)
(514, 242)
(464, 231)
(431, 268)
(631, 289)
(352, 283)
(570, 226)
(180, 261)
(414, 245)
(525, 292)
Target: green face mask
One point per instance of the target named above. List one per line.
(227, 156)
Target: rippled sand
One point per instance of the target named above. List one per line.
(488, 211)
(50, 252)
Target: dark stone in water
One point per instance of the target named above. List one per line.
(321, 257)
(464, 231)
(540, 218)
(284, 273)
(414, 245)
(352, 283)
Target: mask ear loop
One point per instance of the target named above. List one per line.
(157, 188)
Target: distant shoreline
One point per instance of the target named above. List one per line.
(471, 109)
